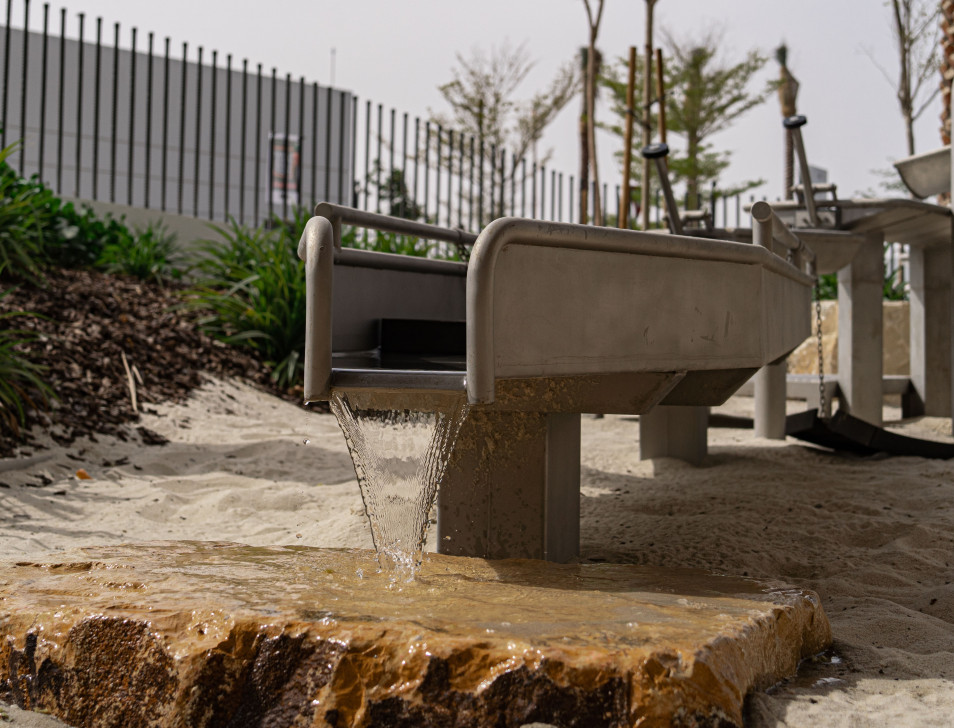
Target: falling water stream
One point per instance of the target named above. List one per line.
(399, 456)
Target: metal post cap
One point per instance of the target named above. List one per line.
(793, 122)
(656, 151)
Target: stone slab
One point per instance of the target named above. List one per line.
(214, 634)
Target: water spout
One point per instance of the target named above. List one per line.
(399, 456)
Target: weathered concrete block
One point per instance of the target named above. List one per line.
(211, 634)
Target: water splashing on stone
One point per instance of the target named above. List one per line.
(399, 456)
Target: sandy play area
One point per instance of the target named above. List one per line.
(874, 537)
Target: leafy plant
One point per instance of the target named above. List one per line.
(149, 254)
(21, 382)
(22, 224)
(382, 242)
(252, 291)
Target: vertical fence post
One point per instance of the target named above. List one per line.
(149, 90)
(165, 125)
(6, 73)
(213, 102)
(243, 143)
(228, 134)
(114, 135)
(354, 150)
(470, 188)
(387, 180)
(377, 161)
(79, 104)
(59, 109)
(480, 186)
(437, 177)
(503, 181)
(132, 119)
(46, 30)
(450, 177)
(367, 154)
(314, 143)
(460, 185)
(427, 166)
(329, 102)
(342, 118)
(269, 187)
(257, 179)
(570, 188)
(404, 164)
(196, 170)
(301, 141)
(24, 84)
(417, 155)
(287, 154)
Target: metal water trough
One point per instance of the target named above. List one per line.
(555, 320)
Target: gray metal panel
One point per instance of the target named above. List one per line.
(363, 295)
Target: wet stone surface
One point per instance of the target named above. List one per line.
(208, 634)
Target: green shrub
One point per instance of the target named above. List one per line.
(150, 254)
(23, 223)
(251, 289)
(21, 382)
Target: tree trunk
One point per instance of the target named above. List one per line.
(584, 162)
(591, 126)
(692, 180)
(647, 113)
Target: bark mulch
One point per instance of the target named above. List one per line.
(87, 322)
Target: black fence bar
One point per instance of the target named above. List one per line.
(470, 207)
(46, 37)
(213, 133)
(165, 123)
(271, 144)
(132, 120)
(198, 137)
(450, 177)
(354, 148)
(301, 134)
(113, 110)
(314, 143)
(286, 142)
(149, 79)
(228, 136)
(79, 103)
(437, 176)
(377, 161)
(329, 102)
(258, 140)
(6, 72)
(24, 84)
(417, 153)
(59, 109)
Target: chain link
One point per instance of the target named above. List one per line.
(821, 353)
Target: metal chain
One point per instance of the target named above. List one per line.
(821, 354)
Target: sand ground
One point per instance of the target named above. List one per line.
(874, 536)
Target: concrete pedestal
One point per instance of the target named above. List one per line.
(512, 487)
(860, 292)
(674, 432)
(931, 341)
(770, 398)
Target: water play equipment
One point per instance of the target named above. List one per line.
(555, 320)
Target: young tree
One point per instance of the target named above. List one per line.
(705, 94)
(483, 99)
(593, 23)
(916, 30)
(787, 97)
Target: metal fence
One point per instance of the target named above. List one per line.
(162, 126)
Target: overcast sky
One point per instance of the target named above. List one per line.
(397, 52)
